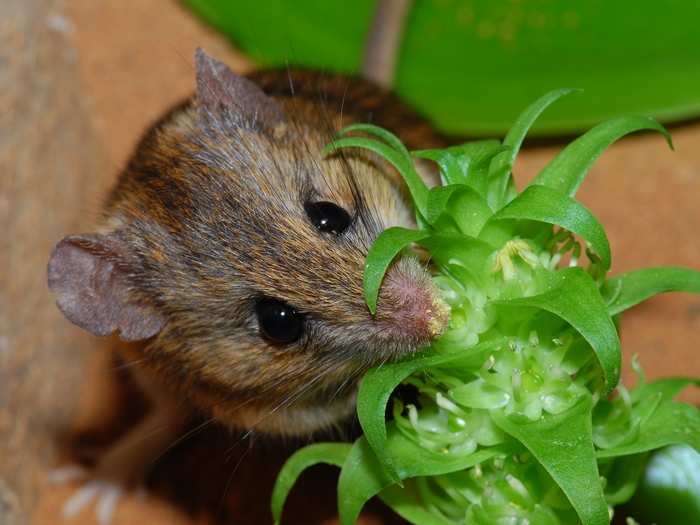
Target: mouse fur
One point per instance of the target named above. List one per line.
(209, 217)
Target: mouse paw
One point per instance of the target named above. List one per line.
(98, 487)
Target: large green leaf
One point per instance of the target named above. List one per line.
(473, 66)
(574, 296)
(629, 289)
(539, 203)
(563, 444)
(566, 171)
(330, 453)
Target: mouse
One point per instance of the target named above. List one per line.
(230, 257)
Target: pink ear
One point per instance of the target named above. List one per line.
(222, 93)
(84, 272)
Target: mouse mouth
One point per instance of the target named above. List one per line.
(410, 311)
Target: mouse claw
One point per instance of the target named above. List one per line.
(106, 495)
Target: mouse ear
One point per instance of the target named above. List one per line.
(220, 92)
(87, 274)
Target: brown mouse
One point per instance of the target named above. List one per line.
(233, 250)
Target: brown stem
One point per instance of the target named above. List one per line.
(384, 40)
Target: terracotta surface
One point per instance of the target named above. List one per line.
(135, 60)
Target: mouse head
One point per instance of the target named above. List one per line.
(237, 250)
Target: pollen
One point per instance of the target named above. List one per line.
(504, 258)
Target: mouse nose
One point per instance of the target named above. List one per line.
(409, 306)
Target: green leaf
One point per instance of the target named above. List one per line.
(378, 384)
(330, 453)
(671, 423)
(563, 444)
(471, 68)
(363, 476)
(669, 492)
(566, 171)
(629, 289)
(385, 135)
(539, 203)
(402, 162)
(502, 165)
(574, 296)
(385, 248)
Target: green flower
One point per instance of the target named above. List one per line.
(516, 418)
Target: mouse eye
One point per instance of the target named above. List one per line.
(328, 217)
(279, 322)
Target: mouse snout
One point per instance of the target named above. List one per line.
(410, 307)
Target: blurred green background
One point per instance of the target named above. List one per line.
(472, 65)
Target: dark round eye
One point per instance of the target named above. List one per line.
(328, 217)
(279, 323)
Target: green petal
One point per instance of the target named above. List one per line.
(629, 289)
(563, 444)
(330, 453)
(566, 171)
(385, 248)
(539, 203)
